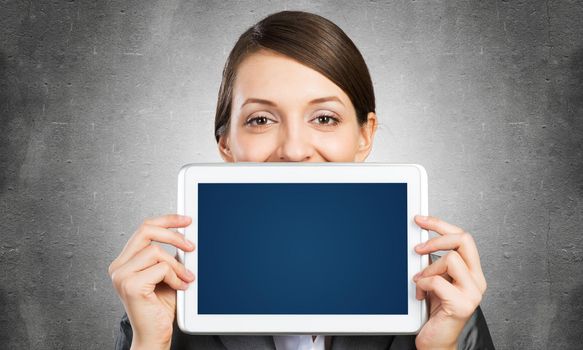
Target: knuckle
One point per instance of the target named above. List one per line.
(170, 260)
(455, 256)
(165, 267)
(126, 287)
(155, 250)
(110, 268)
(115, 279)
(164, 256)
(149, 251)
(434, 281)
(452, 257)
(466, 238)
(481, 286)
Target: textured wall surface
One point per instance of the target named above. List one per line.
(101, 102)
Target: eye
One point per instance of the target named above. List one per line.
(327, 120)
(259, 121)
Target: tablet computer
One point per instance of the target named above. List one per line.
(302, 248)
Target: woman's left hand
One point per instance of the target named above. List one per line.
(454, 284)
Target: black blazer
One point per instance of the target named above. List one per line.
(475, 335)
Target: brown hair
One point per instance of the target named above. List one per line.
(311, 40)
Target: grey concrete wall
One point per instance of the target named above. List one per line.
(101, 102)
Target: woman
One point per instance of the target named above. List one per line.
(296, 89)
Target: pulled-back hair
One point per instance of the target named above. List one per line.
(310, 39)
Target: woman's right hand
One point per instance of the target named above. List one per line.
(146, 277)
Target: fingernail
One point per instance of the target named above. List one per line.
(185, 216)
(420, 246)
(421, 218)
(184, 285)
(188, 243)
(416, 276)
(189, 273)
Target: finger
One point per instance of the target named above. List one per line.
(150, 256)
(419, 293)
(461, 304)
(435, 224)
(143, 283)
(169, 221)
(463, 243)
(440, 287)
(453, 265)
(162, 272)
(147, 233)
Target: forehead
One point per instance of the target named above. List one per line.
(276, 77)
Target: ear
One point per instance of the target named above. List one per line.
(366, 137)
(224, 148)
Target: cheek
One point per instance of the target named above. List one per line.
(253, 148)
(337, 147)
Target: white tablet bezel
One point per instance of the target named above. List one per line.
(414, 175)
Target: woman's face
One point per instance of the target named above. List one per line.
(283, 111)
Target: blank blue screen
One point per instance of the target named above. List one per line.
(302, 248)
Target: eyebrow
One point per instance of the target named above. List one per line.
(270, 103)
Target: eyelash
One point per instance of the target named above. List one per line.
(336, 120)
